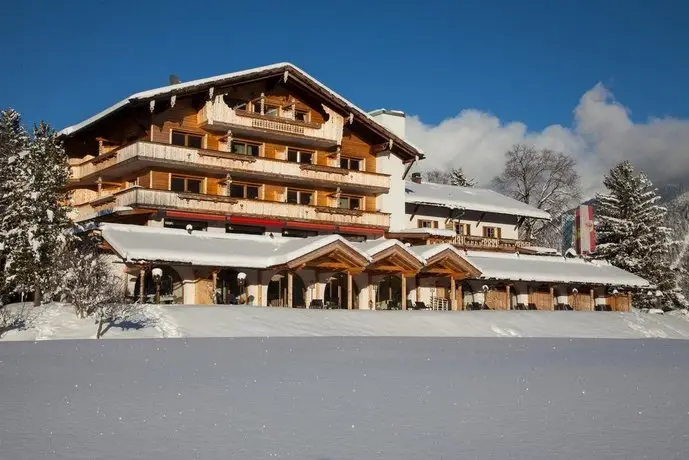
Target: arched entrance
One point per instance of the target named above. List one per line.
(336, 291)
(277, 291)
(171, 290)
(227, 288)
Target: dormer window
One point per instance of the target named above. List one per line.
(301, 115)
(272, 110)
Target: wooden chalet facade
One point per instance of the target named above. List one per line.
(265, 187)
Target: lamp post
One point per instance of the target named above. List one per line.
(241, 281)
(157, 274)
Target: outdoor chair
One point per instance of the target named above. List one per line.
(331, 305)
(420, 306)
(316, 303)
(520, 306)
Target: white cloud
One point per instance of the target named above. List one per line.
(601, 135)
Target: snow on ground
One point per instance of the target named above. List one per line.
(344, 398)
(58, 321)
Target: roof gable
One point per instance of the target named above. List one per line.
(287, 71)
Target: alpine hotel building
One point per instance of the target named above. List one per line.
(265, 187)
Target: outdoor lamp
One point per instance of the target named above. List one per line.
(157, 274)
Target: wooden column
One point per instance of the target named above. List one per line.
(317, 289)
(417, 280)
(592, 305)
(371, 300)
(290, 282)
(142, 280)
(214, 299)
(453, 294)
(259, 277)
(509, 297)
(629, 301)
(460, 297)
(552, 298)
(404, 291)
(349, 291)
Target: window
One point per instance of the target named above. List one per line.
(350, 163)
(185, 184)
(298, 156)
(350, 202)
(246, 229)
(428, 223)
(256, 106)
(463, 229)
(182, 224)
(353, 238)
(244, 191)
(301, 115)
(272, 110)
(245, 148)
(186, 139)
(299, 233)
(299, 197)
(491, 232)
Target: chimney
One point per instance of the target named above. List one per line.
(416, 177)
(173, 79)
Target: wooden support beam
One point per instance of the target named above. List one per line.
(460, 297)
(371, 300)
(142, 280)
(552, 298)
(349, 291)
(290, 282)
(509, 297)
(417, 283)
(404, 291)
(629, 301)
(259, 278)
(592, 303)
(317, 289)
(453, 294)
(214, 275)
(416, 209)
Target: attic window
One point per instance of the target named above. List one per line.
(272, 110)
(301, 115)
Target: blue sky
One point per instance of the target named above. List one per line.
(599, 80)
(528, 61)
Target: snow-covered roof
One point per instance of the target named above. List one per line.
(227, 78)
(471, 198)
(444, 232)
(373, 247)
(134, 243)
(558, 269)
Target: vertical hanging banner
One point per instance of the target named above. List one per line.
(585, 238)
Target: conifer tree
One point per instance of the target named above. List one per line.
(458, 178)
(632, 234)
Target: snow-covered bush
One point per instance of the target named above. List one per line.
(91, 286)
(18, 316)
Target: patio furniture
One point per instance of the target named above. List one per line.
(532, 306)
(316, 303)
(520, 306)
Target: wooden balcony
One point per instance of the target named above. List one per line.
(138, 197)
(118, 162)
(491, 244)
(217, 115)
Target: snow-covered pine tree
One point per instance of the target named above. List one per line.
(458, 178)
(38, 214)
(632, 234)
(13, 144)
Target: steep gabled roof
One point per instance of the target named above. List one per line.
(283, 68)
(471, 198)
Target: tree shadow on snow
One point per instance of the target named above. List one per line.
(133, 324)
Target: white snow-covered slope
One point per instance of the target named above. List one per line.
(59, 322)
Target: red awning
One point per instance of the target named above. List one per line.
(255, 221)
(194, 216)
(362, 230)
(310, 226)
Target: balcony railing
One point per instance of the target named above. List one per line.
(226, 162)
(481, 242)
(218, 113)
(219, 204)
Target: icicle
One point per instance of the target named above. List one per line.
(152, 105)
(350, 119)
(211, 90)
(285, 76)
(173, 99)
